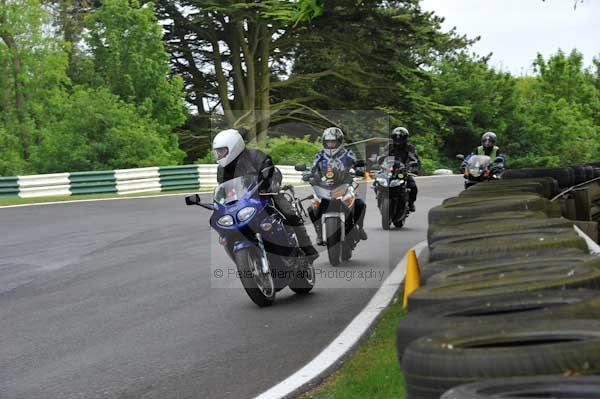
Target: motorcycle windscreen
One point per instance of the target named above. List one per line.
(391, 163)
(331, 192)
(234, 189)
(477, 163)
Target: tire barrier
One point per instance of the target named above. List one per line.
(510, 291)
(121, 181)
(511, 349)
(552, 386)
(543, 305)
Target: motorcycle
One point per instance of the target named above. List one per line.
(392, 191)
(478, 168)
(334, 198)
(254, 235)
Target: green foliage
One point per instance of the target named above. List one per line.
(122, 112)
(557, 114)
(478, 98)
(284, 150)
(209, 158)
(11, 162)
(128, 54)
(111, 135)
(290, 151)
(97, 91)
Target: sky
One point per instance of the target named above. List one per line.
(516, 30)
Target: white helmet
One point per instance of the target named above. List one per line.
(488, 139)
(228, 145)
(333, 138)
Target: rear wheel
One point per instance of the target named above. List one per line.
(333, 232)
(258, 285)
(385, 213)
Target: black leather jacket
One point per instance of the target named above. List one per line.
(406, 154)
(250, 162)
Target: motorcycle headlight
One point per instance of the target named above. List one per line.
(475, 172)
(226, 221)
(382, 181)
(245, 213)
(396, 183)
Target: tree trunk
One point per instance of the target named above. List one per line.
(249, 119)
(239, 84)
(222, 82)
(18, 87)
(264, 116)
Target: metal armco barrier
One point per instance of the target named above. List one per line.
(9, 187)
(121, 181)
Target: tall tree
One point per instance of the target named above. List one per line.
(31, 66)
(129, 57)
(231, 54)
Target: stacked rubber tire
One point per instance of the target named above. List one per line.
(510, 302)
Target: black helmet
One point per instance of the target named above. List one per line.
(400, 136)
(488, 139)
(333, 137)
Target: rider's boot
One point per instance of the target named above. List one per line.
(362, 234)
(319, 231)
(305, 244)
(411, 206)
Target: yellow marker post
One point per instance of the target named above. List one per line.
(412, 281)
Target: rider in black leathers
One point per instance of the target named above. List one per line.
(254, 162)
(399, 147)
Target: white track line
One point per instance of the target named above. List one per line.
(329, 359)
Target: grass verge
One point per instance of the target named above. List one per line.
(373, 371)
(67, 198)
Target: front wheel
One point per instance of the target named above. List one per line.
(386, 220)
(304, 281)
(402, 211)
(333, 232)
(258, 285)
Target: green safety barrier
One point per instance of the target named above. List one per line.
(184, 177)
(103, 182)
(9, 187)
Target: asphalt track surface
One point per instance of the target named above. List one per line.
(121, 299)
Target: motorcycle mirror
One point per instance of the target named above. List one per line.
(460, 157)
(360, 163)
(300, 167)
(193, 200)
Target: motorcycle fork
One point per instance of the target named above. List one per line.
(263, 254)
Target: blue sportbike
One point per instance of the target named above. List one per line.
(255, 236)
